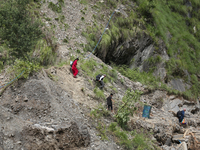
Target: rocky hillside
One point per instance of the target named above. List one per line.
(135, 36)
(49, 109)
(52, 110)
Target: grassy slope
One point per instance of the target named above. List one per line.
(166, 20)
(183, 45)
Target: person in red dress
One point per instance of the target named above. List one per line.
(74, 69)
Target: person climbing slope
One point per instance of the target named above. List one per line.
(74, 69)
(180, 115)
(109, 102)
(100, 79)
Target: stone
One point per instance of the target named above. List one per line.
(178, 137)
(177, 84)
(168, 142)
(19, 142)
(25, 98)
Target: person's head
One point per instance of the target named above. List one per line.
(184, 109)
(111, 94)
(77, 58)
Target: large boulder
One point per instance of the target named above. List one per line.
(65, 137)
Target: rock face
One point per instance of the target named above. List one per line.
(135, 52)
(177, 84)
(124, 51)
(41, 137)
(38, 114)
(165, 125)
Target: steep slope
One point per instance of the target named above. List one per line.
(38, 112)
(135, 37)
(44, 110)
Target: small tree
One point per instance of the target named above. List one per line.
(127, 108)
(18, 29)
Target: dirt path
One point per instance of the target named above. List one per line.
(77, 87)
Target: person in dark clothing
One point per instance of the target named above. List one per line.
(109, 102)
(74, 69)
(181, 114)
(100, 79)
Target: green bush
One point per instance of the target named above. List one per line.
(88, 66)
(45, 54)
(99, 93)
(56, 7)
(127, 107)
(22, 65)
(85, 2)
(99, 112)
(123, 139)
(112, 126)
(141, 142)
(102, 131)
(18, 29)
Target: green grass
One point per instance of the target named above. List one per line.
(85, 2)
(99, 93)
(131, 140)
(128, 140)
(169, 17)
(92, 69)
(159, 19)
(56, 7)
(88, 66)
(99, 112)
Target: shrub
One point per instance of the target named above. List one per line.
(82, 18)
(45, 54)
(127, 108)
(102, 131)
(112, 126)
(18, 28)
(85, 2)
(88, 66)
(99, 112)
(99, 93)
(22, 65)
(141, 142)
(56, 7)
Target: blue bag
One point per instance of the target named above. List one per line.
(146, 111)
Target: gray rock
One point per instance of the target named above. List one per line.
(177, 84)
(25, 98)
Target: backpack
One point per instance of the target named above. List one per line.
(179, 114)
(98, 77)
(71, 63)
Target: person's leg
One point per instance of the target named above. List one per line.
(111, 108)
(180, 120)
(102, 84)
(75, 71)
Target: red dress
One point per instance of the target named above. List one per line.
(74, 69)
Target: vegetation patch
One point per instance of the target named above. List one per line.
(56, 7)
(127, 107)
(128, 140)
(99, 93)
(19, 29)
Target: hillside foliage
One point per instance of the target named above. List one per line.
(18, 28)
(177, 23)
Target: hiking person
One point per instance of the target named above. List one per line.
(180, 115)
(109, 102)
(100, 79)
(74, 69)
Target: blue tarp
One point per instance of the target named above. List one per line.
(146, 111)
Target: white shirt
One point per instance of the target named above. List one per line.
(101, 78)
